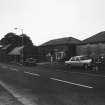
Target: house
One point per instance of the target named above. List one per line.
(15, 54)
(4, 52)
(20, 53)
(93, 46)
(58, 49)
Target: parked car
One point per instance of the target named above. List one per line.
(30, 62)
(79, 61)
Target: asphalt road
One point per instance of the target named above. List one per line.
(56, 87)
(80, 79)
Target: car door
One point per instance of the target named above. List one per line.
(82, 61)
(77, 61)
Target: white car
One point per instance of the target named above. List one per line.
(80, 61)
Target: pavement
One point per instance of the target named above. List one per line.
(22, 96)
(6, 98)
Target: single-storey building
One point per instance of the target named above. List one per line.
(4, 50)
(58, 49)
(16, 54)
(20, 53)
(93, 46)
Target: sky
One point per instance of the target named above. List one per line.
(44, 20)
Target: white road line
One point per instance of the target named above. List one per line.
(85, 86)
(14, 69)
(70, 72)
(32, 74)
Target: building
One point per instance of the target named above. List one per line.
(58, 49)
(93, 46)
(20, 53)
(4, 50)
(16, 54)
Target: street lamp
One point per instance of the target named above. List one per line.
(19, 29)
(22, 55)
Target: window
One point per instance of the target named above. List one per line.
(77, 59)
(59, 55)
(84, 58)
(73, 59)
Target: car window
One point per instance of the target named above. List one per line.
(77, 59)
(73, 59)
(84, 58)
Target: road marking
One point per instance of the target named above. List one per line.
(32, 74)
(70, 72)
(58, 79)
(52, 78)
(85, 86)
(14, 69)
(62, 81)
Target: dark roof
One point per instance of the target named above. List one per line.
(67, 40)
(97, 38)
(16, 51)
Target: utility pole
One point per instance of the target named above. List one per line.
(22, 43)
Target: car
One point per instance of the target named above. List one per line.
(79, 61)
(30, 62)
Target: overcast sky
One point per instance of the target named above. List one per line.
(44, 20)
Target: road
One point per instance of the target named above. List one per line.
(56, 87)
(81, 79)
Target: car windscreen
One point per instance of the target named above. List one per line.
(84, 58)
(72, 59)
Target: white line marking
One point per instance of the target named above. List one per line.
(14, 69)
(71, 83)
(32, 74)
(62, 81)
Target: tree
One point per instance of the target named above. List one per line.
(29, 50)
(15, 40)
(9, 38)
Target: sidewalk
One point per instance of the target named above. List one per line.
(24, 96)
(6, 98)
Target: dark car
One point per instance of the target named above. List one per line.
(30, 62)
